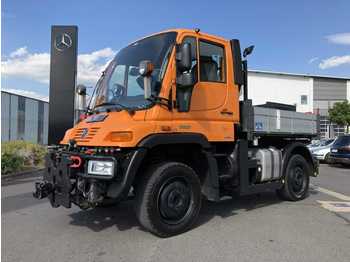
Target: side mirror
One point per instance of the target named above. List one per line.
(184, 58)
(145, 69)
(80, 97)
(247, 51)
(185, 83)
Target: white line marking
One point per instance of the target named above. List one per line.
(335, 206)
(331, 193)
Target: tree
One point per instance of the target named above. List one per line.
(340, 114)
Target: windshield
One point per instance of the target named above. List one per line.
(320, 143)
(121, 85)
(342, 141)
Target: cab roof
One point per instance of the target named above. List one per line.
(183, 31)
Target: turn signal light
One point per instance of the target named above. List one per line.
(120, 136)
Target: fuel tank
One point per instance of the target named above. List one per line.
(269, 164)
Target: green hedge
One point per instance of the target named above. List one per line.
(21, 155)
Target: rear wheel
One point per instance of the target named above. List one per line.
(168, 199)
(296, 180)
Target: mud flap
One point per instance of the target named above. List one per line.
(57, 173)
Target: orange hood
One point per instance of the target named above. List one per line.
(120, 129)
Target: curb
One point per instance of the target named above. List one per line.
(23, 174)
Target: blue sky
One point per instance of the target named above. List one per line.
(308, 37)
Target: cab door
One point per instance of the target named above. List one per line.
(211, 111)
(210, 91)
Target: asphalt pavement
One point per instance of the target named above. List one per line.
(254, 228)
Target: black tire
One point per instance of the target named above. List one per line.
(326, 158)
(108, 202)
(296, 179)
(168, 199)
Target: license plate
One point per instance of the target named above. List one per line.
(334, 150)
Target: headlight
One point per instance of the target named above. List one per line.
(103, 168)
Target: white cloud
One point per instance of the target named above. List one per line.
(342, 39)
(334, 61)
(311, 60)
(31, 66)
(26, 93)
(22, 51)
(36, 66)
(90, 66)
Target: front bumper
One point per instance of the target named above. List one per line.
(65, 181)
(340, 160)
(319, 157)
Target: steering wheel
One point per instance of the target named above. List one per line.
(117, 91)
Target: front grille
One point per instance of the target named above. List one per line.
(91, 132)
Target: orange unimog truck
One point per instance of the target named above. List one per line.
(170, 124)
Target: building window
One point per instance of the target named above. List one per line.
(211, 62)
(21, 117)
(41, 122)
(303, 99)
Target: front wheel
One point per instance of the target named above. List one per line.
(326, 158)
(168, 199)
(296, 179)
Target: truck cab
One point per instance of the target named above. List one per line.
(166, 125)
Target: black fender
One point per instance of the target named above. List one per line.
(120, 189)
(210, 187)
(298, 148)
(174, 138)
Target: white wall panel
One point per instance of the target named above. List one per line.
(286, 89)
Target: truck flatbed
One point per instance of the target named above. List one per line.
(270, 121)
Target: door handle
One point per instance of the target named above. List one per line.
(225, 112)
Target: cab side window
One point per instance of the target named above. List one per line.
(212, 62)
(194, 69)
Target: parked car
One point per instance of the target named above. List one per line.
(314, 143)
(340, 151)
(320, 143)
(322, 149)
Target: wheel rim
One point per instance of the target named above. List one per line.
(298, 180)
(326, 159)
(174, 200)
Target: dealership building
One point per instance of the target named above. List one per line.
(26, 118)
(309, 93)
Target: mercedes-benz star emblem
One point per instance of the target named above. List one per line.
(84, 132)
(63, 41)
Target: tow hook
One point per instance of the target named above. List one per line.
(42, 189)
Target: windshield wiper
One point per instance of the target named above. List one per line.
(114, 104)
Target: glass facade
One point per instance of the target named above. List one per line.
(328, 129)
(23, 118)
